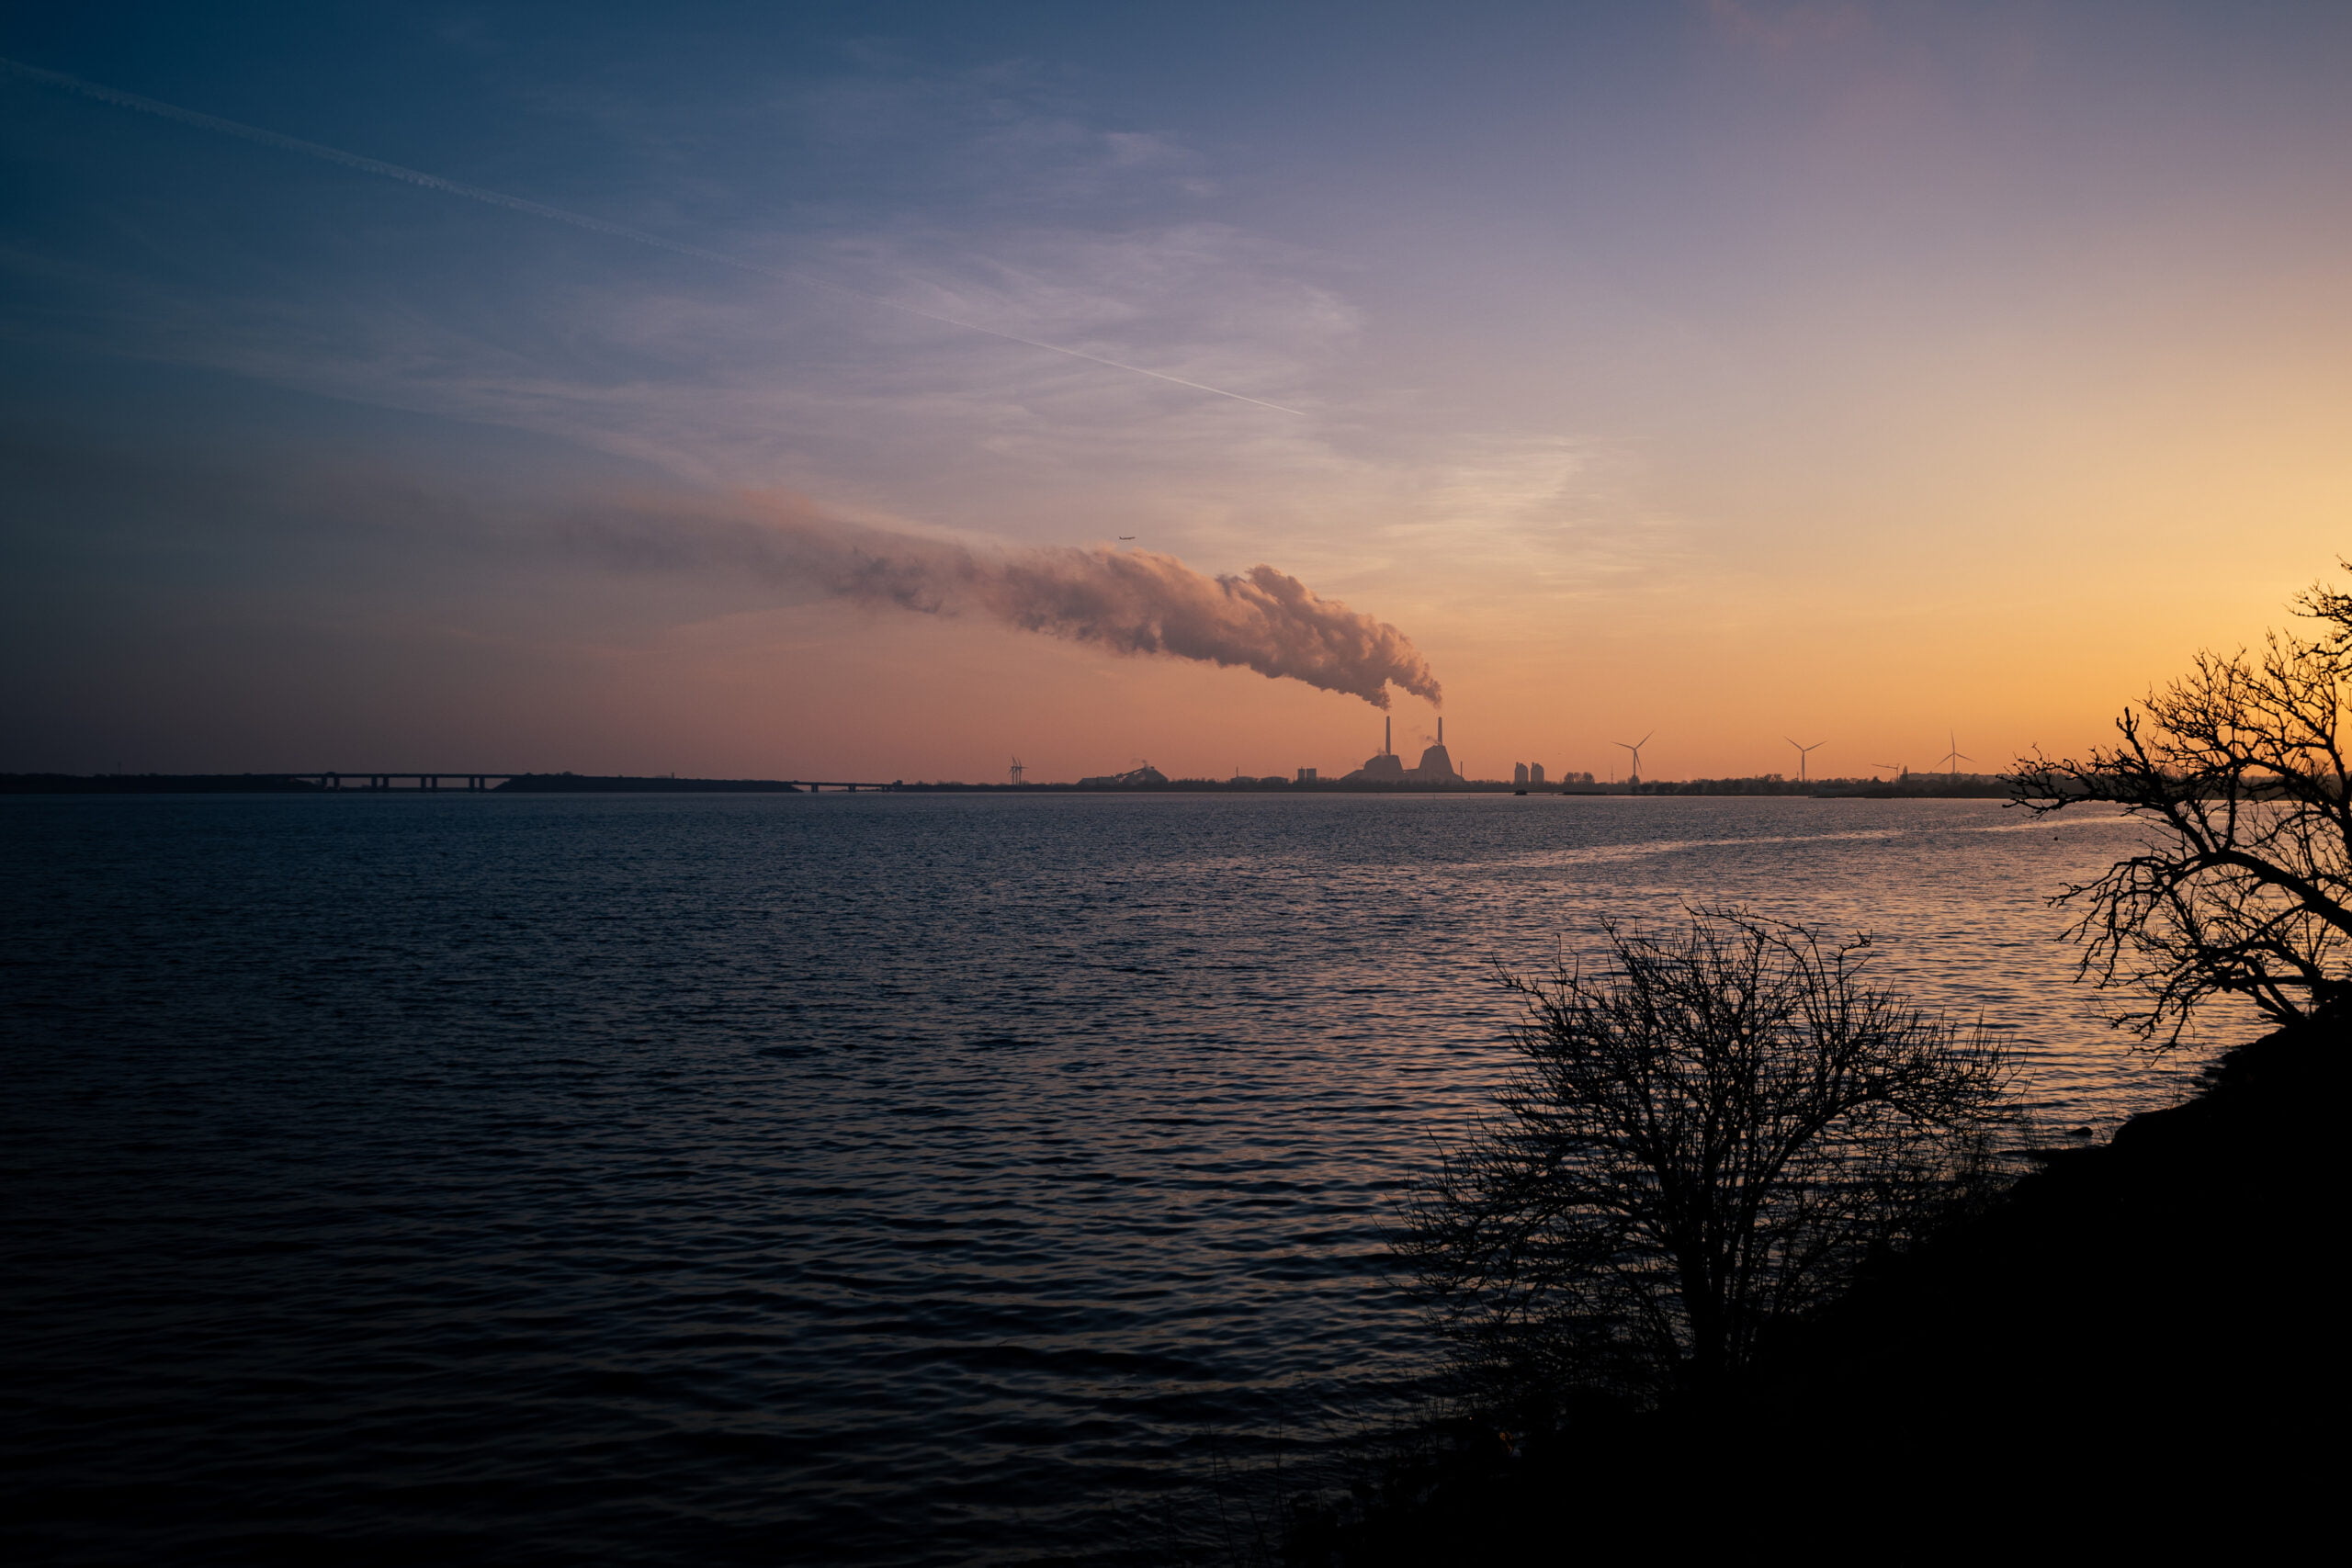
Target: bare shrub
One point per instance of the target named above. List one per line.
(1705, 1137)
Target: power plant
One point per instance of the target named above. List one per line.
(1437, 770)
(1436, 765)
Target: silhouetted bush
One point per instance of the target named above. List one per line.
(1708, 1136)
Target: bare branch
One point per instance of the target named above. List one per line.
(2239, 771)
(1701, 1139)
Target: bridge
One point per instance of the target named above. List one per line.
(572, 783)
(390, 781)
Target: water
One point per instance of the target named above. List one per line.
(857, 1179)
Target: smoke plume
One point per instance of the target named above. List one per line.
(1126, 600)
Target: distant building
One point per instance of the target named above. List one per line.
(1307, 775)
(1534, 772)
(1381, 767)
(1519, 772)
(1147, 774)
(1436, 765)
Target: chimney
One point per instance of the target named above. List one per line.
(1386, 738)
(1441, 729)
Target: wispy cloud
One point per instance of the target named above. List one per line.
(1069, 232)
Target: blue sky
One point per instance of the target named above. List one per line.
(1727, 369)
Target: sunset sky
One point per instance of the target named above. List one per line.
(1859, 373)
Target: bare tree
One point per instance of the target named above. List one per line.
(2244, 887)
(1702, 1139)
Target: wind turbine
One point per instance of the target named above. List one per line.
(1636, 748)
(1955, 755)
(1804, 752)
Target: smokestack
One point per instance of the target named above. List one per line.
(1441, 729)
(1386, 738)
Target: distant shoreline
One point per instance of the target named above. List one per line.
(1964, 787)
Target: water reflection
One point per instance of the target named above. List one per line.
(909, 1180)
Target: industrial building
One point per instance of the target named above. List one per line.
(1435, 767)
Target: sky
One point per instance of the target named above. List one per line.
(1892, 376)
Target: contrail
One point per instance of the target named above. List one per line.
(577, 219)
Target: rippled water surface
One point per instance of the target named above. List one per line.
(854, 1178)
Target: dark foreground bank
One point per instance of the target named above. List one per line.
(2137, 1339)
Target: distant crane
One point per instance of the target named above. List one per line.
(1636, 748)
(1016, 774)
(1804, 752)
(1900, 770)
(1955, 756)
